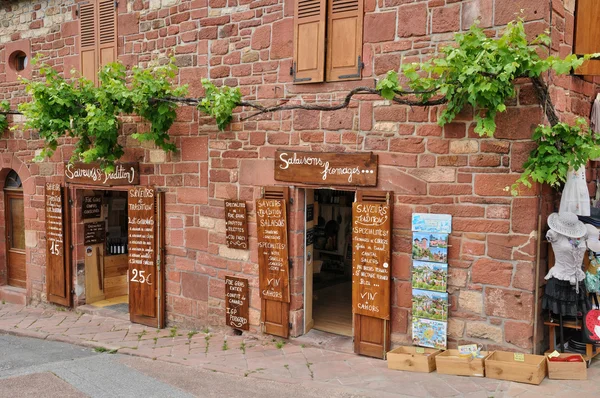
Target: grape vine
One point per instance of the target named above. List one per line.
(476, 70)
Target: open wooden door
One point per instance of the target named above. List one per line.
(309, 224)
(146, 256)
(273, 261)
(371, 272)
(58, 245)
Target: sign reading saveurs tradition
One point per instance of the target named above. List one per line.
(326, 168)
(92, 174)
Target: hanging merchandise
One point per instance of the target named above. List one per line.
(575, 196)
(595, 117)
(592, 279)
(565, 292)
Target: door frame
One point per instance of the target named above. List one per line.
(13, 194)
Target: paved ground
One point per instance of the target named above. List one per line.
(239, 364)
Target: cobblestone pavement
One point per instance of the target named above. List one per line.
(268, 358)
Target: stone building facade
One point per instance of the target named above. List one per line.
(249, 44)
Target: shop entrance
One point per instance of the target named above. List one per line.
(328, 305)
(104, 244)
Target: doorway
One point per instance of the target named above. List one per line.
(105, 247)
(14, 215)
(329, 246)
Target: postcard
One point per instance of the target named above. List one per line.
(430, 276)
(429, 304)
(430, 247)
(428, 333)
(424, 222)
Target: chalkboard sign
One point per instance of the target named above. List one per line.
(310, 212)
(236, 224)
(94, 232)
(92, 207)
(310, 236)
(142, 252)
(273, 258)
(54, 226)
(371, 233)
(237, 307)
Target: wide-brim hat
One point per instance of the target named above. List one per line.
(567, 224)
(592, 238)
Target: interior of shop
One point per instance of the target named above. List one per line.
(104, 238)
(332, 264)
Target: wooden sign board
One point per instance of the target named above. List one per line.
(273, 261)
(237, 306)
(92, 174)
(94, 233)
(371, 255)
(142, 251)
(326, 168)
(55, 246)
(92, 207)
(236, 224)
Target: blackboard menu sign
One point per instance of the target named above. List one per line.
(54, 224)
(310, 236)
(94, 232)
(236, 224)
(273, 261)
(92, 207)
(310, 212)
(371, 233)
(141, 247)
(237, 307)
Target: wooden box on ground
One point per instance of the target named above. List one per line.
(567, 370)
(407, 358)
(449, 362)
(502, 365)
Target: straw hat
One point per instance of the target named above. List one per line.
(592, 238)
(567, 224)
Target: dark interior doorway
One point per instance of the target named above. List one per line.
(332, 264)
(14, 215)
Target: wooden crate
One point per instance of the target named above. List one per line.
(567, 370)
(449, 362)
(501, 365)
(407, 358)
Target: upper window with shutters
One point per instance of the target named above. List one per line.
(586, 38)
(327, 40)
(98, 36)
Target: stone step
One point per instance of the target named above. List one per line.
(13, 295)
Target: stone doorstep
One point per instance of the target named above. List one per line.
(13, 295)
(91, 310)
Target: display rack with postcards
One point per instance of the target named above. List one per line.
(430, 279)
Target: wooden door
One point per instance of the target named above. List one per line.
(310, 214)
(371, 272)
(275, 311)
(15, 239)
(58, 245)
(146, 256)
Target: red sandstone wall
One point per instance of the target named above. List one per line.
(430, 169)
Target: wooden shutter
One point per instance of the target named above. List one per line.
(344, 40)
(58, 245)
(372, 333)
(88, 41)
(98, 36)
(107, 32)
(587, 34)
(275, 315)
(309, 41)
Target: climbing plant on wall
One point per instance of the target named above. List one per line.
(4, 107)
(476, 71)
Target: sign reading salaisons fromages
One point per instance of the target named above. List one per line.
(326, 168)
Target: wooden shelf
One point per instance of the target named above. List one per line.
(590, 352)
